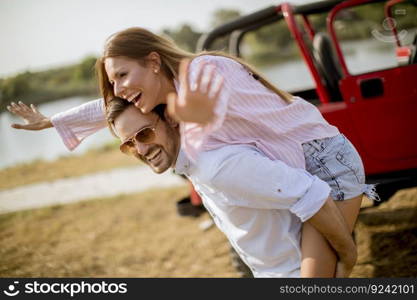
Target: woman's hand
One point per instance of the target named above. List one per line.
(33, 118)
(195, 104)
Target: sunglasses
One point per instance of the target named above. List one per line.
(145, 135)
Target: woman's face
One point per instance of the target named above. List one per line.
(139, 84)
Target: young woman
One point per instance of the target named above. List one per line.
(241, 107)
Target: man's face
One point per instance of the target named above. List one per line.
(161, 153)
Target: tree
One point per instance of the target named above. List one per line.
(85, 69)
(15, 87)
(220, 17)
(185, 37)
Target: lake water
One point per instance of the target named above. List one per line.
(361, 57)
(17, 146)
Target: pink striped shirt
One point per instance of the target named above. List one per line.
(77, 123)
(247, 113)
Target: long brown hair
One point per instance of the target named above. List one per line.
(137, 43)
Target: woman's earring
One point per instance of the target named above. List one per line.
(155, 71)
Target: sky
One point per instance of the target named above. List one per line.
(40, 34)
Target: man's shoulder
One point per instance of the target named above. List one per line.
(211, 162)
(224, 152)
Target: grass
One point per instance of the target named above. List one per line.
(95, 160)
(138, 235)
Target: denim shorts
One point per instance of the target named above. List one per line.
(336, 161)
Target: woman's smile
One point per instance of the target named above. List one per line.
(135, 99)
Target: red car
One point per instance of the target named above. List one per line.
(376, 110)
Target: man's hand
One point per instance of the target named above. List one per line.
(195, 104)
(330, 222)
(343, 270)
(33, 118)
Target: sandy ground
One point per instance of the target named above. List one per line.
(137, 235)
(387, 238)
(140, 235)
(101, 184)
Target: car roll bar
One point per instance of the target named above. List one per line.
(237, 35)
(292, 25)
(207, 39)
(330, 28)
(268, 14)
(239, 27)
(388, 14)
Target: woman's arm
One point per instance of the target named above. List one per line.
(73, 125)
(198, 94)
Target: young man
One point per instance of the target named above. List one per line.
(259, 204)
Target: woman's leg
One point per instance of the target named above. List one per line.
(318, 258)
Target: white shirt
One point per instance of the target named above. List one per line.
(257, 203)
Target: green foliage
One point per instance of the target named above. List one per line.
(44, 86)
(222, 16)
(17, 86)
(185, 37)
(85, 70)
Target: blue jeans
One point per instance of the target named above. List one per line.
(336, 161)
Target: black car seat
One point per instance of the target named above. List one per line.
(327, 65)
